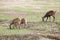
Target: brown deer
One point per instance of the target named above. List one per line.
(17, 22)
(49, 14)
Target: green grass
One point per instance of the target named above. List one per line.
(14, 31)
(31, 17)
(58, 17)
(25, 9)
(3, 16)
(50, 0)
(4, 30)
(4, 10)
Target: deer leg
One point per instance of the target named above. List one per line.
(53, 18)
(42, 18)
(15, 25)
(19, 25)
(46, 19)
(50, 19)
(10, 25)
(24, 24)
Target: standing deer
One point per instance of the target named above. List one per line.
(17, 22)
(49, 14)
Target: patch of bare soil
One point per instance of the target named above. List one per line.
(31, 36)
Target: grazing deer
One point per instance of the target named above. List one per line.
(49, 14)
(17, 22)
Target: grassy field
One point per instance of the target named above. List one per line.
(31, 17)
(32, 13)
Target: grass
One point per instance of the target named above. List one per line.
(31, 17)
(24, 9)
(4, 30)
(14, 31)
(3, 16)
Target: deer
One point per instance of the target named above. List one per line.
(49, 14)
(17, 22)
